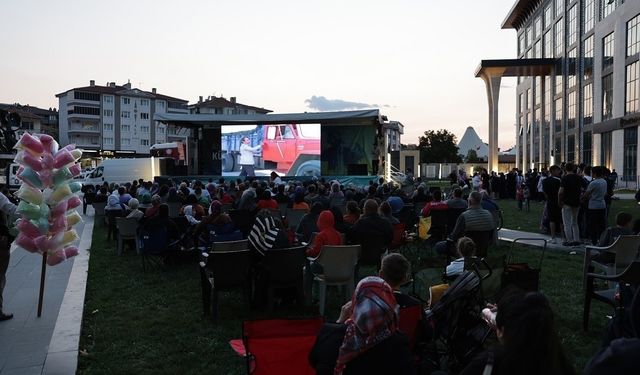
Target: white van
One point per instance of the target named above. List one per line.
(121, 171)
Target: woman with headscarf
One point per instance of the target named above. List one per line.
(247, 201)
(198, 210)
(189, 215)
(114, 207)
(134, 212)
(366, 339)
(217, 226)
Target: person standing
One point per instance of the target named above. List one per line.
(569, 200)
(596, 210)
(246, 157)
(7, 209)
(551, 188)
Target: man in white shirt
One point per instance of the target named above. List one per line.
(246, 157)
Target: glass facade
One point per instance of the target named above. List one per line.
(607, 51)
(608, 6)
(559, 7)
(632, 94)
(571, 109)
(607, 97)
(571, 149)
(605, 149)
(558, 118)
(547, 45)
(630, 154)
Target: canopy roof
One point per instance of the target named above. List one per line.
(363, 117)
(516, 67)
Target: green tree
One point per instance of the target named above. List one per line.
(472, 157)
(438, 147)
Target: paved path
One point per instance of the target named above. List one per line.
(535, 239)
(26, 341)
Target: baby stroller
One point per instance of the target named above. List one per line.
(459, 332)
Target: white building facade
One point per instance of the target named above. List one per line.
(115, 120)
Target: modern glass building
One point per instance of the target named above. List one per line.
(587, 109)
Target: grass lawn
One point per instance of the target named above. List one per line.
(152, 322)
(530, 221)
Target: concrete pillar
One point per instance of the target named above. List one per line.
(492, 82)
(595, 149)
(617, 151)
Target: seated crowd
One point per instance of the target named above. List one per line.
(366, 337)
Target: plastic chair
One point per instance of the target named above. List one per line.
(99, 209)
(224, 270)
(127, 230)
(294, 217)
(625, 249)
(156, 247)
(278, 346)
(284, 269)
(338, 269)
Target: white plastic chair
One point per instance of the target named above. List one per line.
(338, 269)
(127, 230)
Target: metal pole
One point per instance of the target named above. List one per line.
(42, 276)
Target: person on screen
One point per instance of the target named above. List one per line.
(246, 157)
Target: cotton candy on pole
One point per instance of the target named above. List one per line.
(47, 196)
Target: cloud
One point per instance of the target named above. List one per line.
(322, 104)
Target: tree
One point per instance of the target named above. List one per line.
(472, 157)
(438, 147)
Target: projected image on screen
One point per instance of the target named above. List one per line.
(258, 150)
(347, 150)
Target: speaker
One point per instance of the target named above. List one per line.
(357, 170)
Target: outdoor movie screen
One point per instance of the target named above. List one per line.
(258, 150)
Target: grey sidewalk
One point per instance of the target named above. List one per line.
(535, 239)
(26, 341)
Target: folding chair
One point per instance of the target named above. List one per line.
(99, 207)
(127, 230)
(625, 249)
(224, 270)
(278, 346)
(230, 245)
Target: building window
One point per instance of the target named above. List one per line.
(572, 25)
(571, 149)
(125, 128)
(548, 17)
(572, 73)
(125, 114)
(559, 111)
(81, 95)
(126, 101)
(125, 142)
(605, 149)
(161, 130)
(559, 7)
(92, 111)
(108, 141)
(144, 142)
(607, 97)
(144, 116)
(144, 129)
(633, 36)
(587, 154)
(589, 15)
(630, 154)
(537, 50)
(108, 127)
(559, 38)
(547, 45)
(559, 85)
(529, 36)
(557, 150)
(608, 6)
(108, 99)
(607, 51)
(632, 94)
(27, 125)
(538, 90)
(160, 104)
(144, 102)
(588, 57)
(571, 109)
(107, 112)
(537, 27)
(526, 98)
(588, 103)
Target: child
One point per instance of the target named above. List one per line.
(526, 194)
(520, 197)
(465, 248)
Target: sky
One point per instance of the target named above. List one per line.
(413, 59)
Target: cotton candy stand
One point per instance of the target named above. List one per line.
(48, 198)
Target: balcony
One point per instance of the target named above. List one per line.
(87, 129)
(85, 142)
